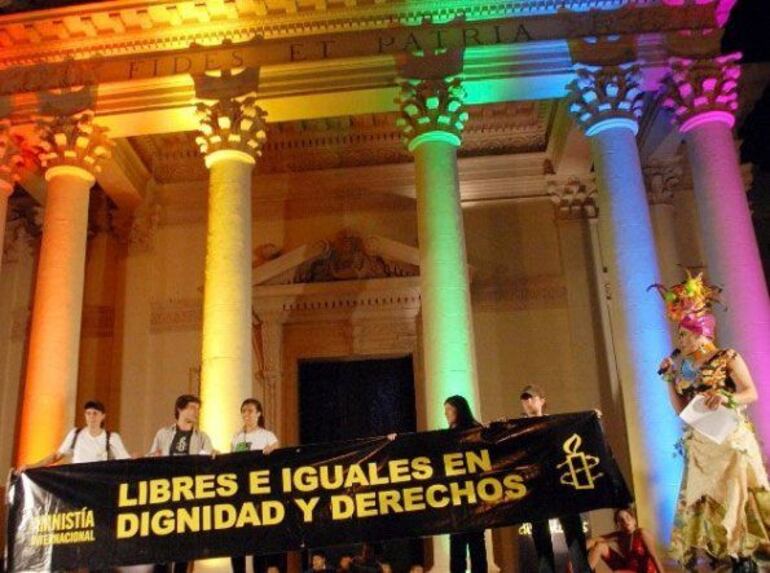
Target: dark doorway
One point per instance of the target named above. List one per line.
(348, 399)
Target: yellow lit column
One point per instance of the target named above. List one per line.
(231, 134)
(9, 160)
(72, 147)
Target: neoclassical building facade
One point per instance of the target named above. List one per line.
(199, 196)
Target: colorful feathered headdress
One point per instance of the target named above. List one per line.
(689, 304)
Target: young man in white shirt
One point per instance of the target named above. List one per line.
(91, 443)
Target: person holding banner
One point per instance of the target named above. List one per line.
(459, 417)
(723, 508)
(181, 439)
(91, 443)
(253, 437)
(533, 404)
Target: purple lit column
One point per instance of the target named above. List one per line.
(606, 103)
(703, 97)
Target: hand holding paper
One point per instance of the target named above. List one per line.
(714, 424)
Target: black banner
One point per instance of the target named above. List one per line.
(157, 510)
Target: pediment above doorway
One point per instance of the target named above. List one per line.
(348, 256)
(350, 278)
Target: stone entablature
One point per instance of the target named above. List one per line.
(173, 25)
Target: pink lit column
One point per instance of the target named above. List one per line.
(703, 98)
(72, 148)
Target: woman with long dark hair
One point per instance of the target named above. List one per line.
(253, 437)
(460, 417)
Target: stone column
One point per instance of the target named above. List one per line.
(606, 103)
(72, 148)
(432, 120)
(661, 180)
(231, 135)
(703, 97)
(9, 161)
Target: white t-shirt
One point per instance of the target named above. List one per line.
(257, 440)
(90, 448)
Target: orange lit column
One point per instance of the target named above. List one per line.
(9, 160)
(231, 135)
(72, 147)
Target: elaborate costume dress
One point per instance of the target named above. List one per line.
(724, 501)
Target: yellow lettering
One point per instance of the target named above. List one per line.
(453, 464)
(259, 482)
(128, 525)
(342, 507)
(307, 506)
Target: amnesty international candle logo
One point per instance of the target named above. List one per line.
(160, 510)
(579, 465)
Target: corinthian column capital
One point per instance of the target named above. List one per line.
(573, 198)
(232, 124)
(431, 109)
(661, 182)
(606, 96)
(10, 158)
(73, 141)
(703, 90)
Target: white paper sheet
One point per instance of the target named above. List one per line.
(716, 425)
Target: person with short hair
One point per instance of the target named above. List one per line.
(629, 549)
(89, 443)
(182, 438)
(533, 405)
(458, 415)
(318, 562)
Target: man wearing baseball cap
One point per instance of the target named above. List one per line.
(533, 404)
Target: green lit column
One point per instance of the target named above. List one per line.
(432, 120)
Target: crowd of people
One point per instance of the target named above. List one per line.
(723, 510)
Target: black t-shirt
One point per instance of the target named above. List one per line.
(180, 443)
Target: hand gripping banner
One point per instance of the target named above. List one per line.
(159, 510)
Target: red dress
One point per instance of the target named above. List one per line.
(633, 555)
